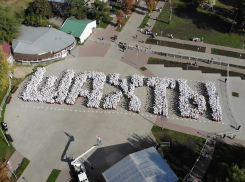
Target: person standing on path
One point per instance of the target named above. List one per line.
(136, 36)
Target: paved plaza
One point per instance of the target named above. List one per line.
(48, 134)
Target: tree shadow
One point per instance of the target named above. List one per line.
(225, 156)
(182, 153)
(205, 21)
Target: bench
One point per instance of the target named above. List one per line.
(9, 137)
(14, 89)
(8, 99)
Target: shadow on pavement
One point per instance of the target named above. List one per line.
(105, 157)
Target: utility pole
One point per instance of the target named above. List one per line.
(170, 15)
(233, 22)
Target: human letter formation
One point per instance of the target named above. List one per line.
(70, 87)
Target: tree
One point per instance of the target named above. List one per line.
(41, 8)
(100, 11)
(119, 17)
(4, 72)
(76, 8)
(235, 174)
(241, 13)
(128, 6)
(151, 4)
(4, 172)
(196, 3)
(8, 25)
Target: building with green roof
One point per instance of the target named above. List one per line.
(81, 29)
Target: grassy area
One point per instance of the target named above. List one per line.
(16, 5)
(175, 45)
(227, 53)
(145, 21)
(5, 150)
(143, 68)
(183, 151)
(119, 29)
(204, 69)
(186, 23)
(54, 175)
(224, 157)
(105, 24)
(20, 169)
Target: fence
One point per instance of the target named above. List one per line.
(5, 97)
(103, 41)
(207, 140)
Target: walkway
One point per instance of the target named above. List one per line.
(15, 160)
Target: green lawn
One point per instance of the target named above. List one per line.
(5, 150)
(224, 156)
(145, 21)
(54, 175)
(183, 151)
(105, 24)
(20, 169)
(187, 23)
(119, 29)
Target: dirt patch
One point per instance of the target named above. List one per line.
(175, 45)
(21, 72)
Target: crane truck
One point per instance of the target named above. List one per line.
(79, 166)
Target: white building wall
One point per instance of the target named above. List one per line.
(87, 31)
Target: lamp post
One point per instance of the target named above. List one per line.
(233, 22)
(4, 136)
(202, 39)
(137, 59)
(197, 49)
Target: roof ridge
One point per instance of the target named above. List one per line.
(138, 167)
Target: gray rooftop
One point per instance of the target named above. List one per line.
(143, 166)
(32, 40)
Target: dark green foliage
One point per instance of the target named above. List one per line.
(8, 24)
(100, 11)
(40, 8)
(227, 164)
(235, 94)
(76, 8)
(143, 68)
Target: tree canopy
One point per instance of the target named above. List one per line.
(4, 71)
(8, 25)
(119, 17)
(100, 11)
(236, 174)
(4, 172)
(40, 8)
(76, 8)
(128, 6)
(151, 4)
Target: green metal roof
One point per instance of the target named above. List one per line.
(76, 27)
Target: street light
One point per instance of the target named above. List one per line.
(202, 39)
(137, 59)
(197, 49)
(233, 22)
